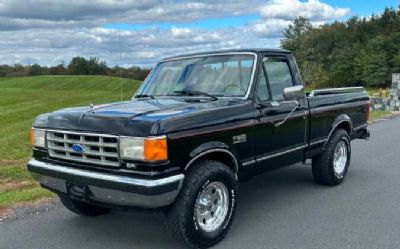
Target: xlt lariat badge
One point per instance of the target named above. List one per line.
(239, 138)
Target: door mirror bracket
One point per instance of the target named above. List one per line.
(288, 116)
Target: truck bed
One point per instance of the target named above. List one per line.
(328, 108)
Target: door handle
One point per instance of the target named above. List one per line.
(301, 108)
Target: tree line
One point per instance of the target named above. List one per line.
(77, 66)
(360, 51)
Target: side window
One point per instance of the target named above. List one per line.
(262, 89)
(279, 76)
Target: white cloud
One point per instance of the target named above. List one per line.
(270, 27)
(31, 14)
(313, 9)
(142, 47)
(278, 14)
(50, 32)
(181, 32)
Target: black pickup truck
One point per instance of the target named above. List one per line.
(196, 126)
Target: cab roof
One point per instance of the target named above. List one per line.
(224, 51)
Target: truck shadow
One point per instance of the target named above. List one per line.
(124, 230)
(258, 196)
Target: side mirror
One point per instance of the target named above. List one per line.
(293, 92)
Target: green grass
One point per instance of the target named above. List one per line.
(379, 92)
(18, 195)
(23, 98)
(378, 115)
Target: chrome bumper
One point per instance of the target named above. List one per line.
(108, 188)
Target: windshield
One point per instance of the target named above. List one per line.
(220, 75)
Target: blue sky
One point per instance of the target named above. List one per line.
(357, 8)
(148, 30)
(364, 8)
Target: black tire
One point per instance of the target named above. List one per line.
(323, 165)
(82, 208)
(181, 217)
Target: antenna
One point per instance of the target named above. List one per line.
(120, 63)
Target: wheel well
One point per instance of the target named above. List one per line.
(345, 126)
(222, 156)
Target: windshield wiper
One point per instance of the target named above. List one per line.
(195, 93)
(144, 96)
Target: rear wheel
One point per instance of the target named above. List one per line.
(205, 208)
(330, 167)
(82, 208)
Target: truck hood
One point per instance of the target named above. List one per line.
(141, 117)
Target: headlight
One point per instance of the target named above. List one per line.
(149, 149)
(38, 137)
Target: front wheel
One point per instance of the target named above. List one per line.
(205, 208)
(330, 167)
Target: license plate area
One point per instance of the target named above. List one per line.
(77, 190)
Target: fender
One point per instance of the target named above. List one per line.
(342, 118)
(211, 147)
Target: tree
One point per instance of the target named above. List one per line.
(341, 70)
(19, 70)
(396, 63)
(359, 51)
(95, 66)
(58, 70)
(375, 70)
(5, 70)
(296, 39)
(78, 66)
(92, 66)
(373, 62)
(300, 26)
(35, 69)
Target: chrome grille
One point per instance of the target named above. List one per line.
(99, 149)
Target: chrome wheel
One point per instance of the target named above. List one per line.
(212, 206)
(340, 158)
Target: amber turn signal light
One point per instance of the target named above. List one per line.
(32, 136)
(155, 149)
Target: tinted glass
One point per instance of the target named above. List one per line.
(223, 75)
(262, 89)
(279, 76)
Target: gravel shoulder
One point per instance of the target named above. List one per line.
(28, 209)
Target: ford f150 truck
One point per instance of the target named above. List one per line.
(197, 125)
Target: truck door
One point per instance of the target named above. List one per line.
(278, 145)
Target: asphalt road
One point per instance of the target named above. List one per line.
(282, 209)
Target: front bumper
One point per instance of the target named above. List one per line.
(108, 188)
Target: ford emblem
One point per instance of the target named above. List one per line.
(78, 148)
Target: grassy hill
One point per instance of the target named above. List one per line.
(23, 98)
